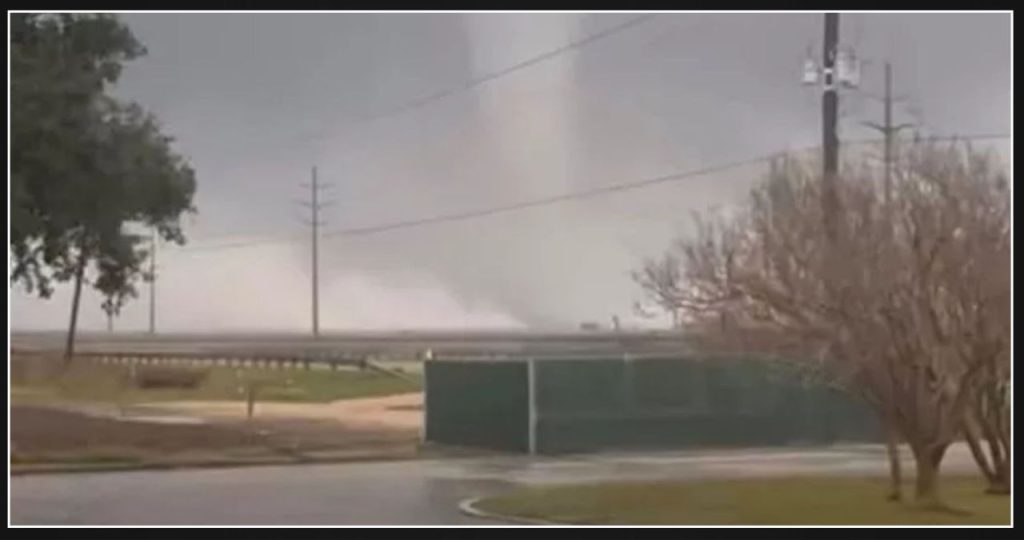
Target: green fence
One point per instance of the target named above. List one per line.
(578, 405)
(482, 403)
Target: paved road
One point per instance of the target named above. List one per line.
(424, 492)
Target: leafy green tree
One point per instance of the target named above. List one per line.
(85, 167)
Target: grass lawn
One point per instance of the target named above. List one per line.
(768, 501)
(96, 382)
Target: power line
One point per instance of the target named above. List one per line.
(584, 194)
(477, 81)
(426, 100)
(615, 188)
(236, 245)
(363, 231)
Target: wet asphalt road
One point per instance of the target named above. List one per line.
(423, 492)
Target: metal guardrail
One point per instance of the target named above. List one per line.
(231, 358)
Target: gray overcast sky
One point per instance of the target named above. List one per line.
(243, 93)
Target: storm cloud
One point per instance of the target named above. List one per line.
(257, 100)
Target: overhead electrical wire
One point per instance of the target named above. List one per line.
(575, 195)
(487, 77)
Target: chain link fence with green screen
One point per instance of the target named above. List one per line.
(590, 404)
(477, 403)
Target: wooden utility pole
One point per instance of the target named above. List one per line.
(315, 205)
(316, 262)
(152, 283)
(888, 130)
(830, 113)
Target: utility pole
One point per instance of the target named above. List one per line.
(315, 205)
(837, 70)
(830, 111)
(888, 130)
(316, 263)
(152, 283)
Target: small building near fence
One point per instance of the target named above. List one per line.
(565, 405)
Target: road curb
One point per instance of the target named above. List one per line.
(468, 507)
(26, 470)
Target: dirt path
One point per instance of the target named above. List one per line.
(371, 428)
(401, 412)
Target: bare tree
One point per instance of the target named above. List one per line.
(970, 291)
(903, 306)
(659, 280)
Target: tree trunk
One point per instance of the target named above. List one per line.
(997, 469)
(895, 469)
(971, 437)
(1000, 483)
(926, 488)
(69, 347)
